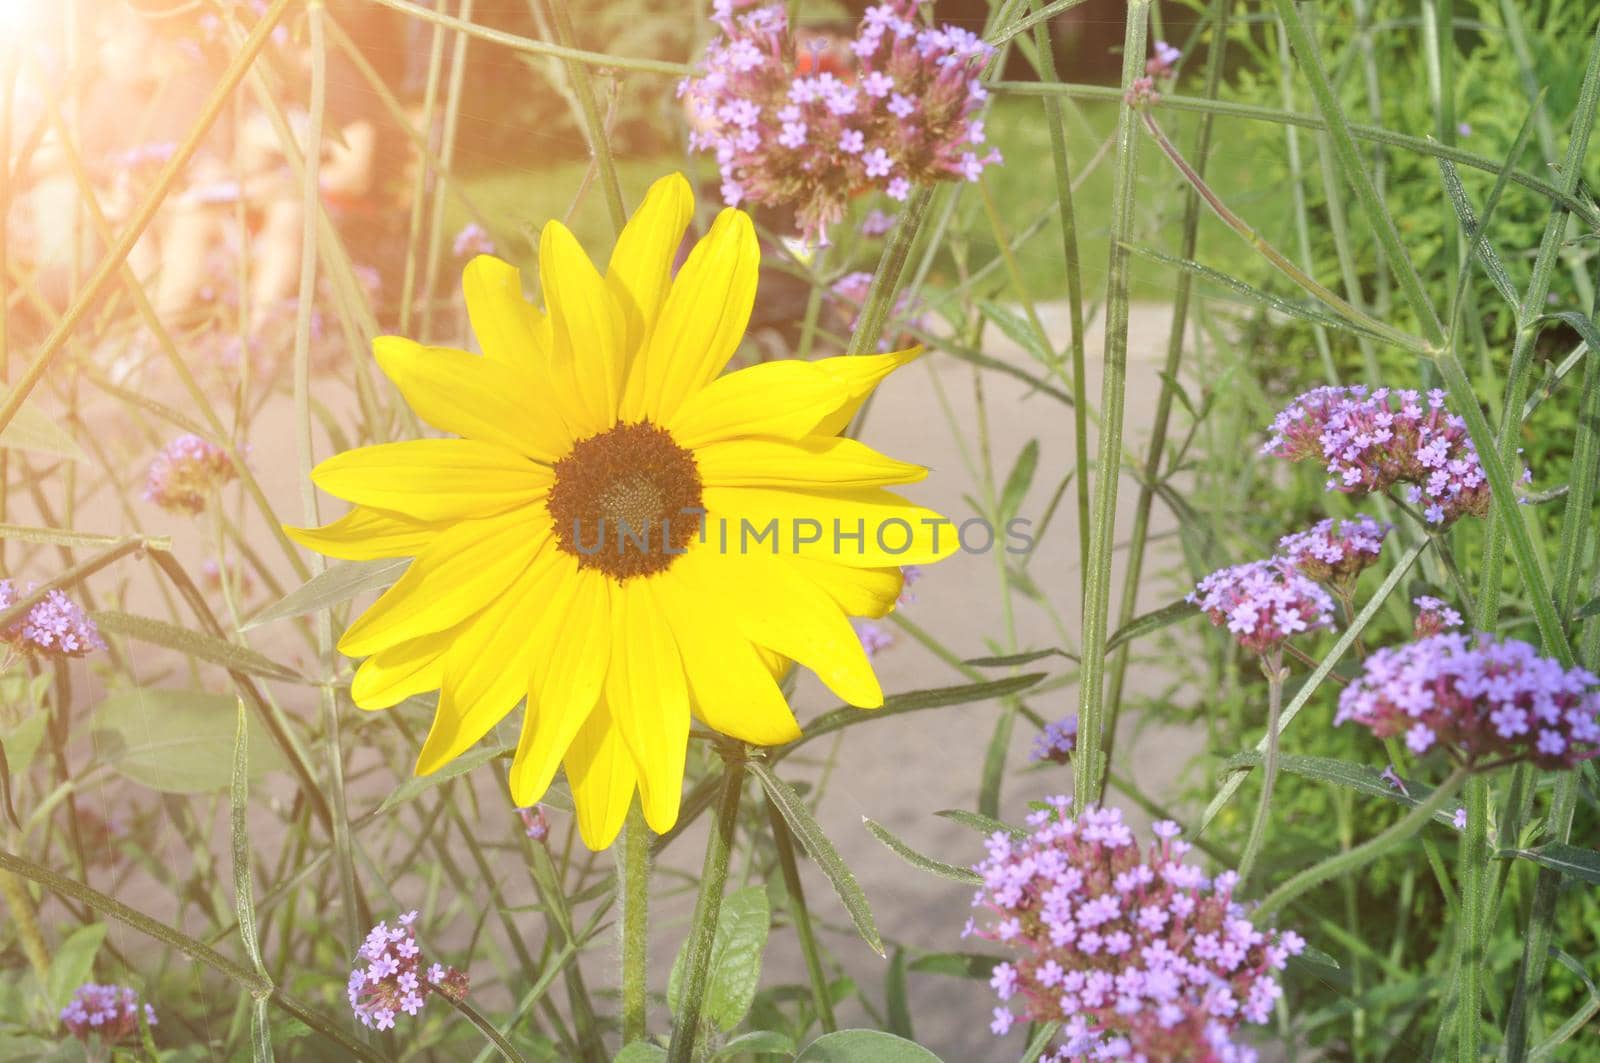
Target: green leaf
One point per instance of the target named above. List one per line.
(640, 1052)
(1582, 864)
(416, 786)
(1154, 620)
(916, 700)
(5, 789)
(202, 647)
(735, 967)
(72, 964)
(177, 741)
(1018, 330)
(957, 965)
(1361, 778)
(895, 996)
(1019, 480)
(1589, 609)
(862, 1046)
(1017, 659)
(22, 533)
(980, 822)
(339, 582)
(244, 902)
(35, 431)
(918, 860)
(805, 827)
(756, 1043)
(1040, 1042)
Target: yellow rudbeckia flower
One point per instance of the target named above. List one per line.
(580, 544)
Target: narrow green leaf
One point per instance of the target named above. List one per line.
(1019, 480)
(859, 1046)
(202, 647)
(33, 430)
(72, 963)
(84, 540)
(640, 1052)
(244, 904)
(1017, 330)
(1154, 620)
(918, 860)
(734, 970)
(418, 785)
(980, 822)
(957, 965)
(816, 843)
(5, 789)
(755, 1043)
(916, 700)
(1361, 778)
(896, 997)
(1040, 1042)
(1570, 860)
(176, 741)
(1017, 659)
(339, 582)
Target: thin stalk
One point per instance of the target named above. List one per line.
(1089, 765)
(25, 924)
(430, 102)
(800, 915)
(633, 871)
(447, 152)
(1368, 851)
(507, 1050)
(708, 903)
(1272, 666)
(589, 111)
(808, 323)
(875, 309)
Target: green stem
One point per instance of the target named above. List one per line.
(633, 868)
(589, 111)
(506, 1049)
(708, 903)
(875, 309)
(1474, 911)
(1272, 665)
(801, 916)
(1368, 851)
(1089, 766)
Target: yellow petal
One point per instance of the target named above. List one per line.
(641, 264)
(587, 333)
(734, 690)
(478, 398)
(390, 676)
(649, 698)
(602, 777)
(787, 399)
(469, 565)
(365, 534)
(434, 479)
(809, 462)
(866, 527)
(509, 328)
(701, 322)
(869, 592)
(771, 604)
(486, 668)
(572, 640)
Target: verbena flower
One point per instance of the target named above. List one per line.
(472, 240)
(1433, 616)
(1057, 741)
(1372, 442)
(535, 824)
(185, 474)
(1137, 954)
(581, 544)
(55, 627)
(1336, 551)
(808, 125)
(875, 638)
(1483, 699)
(851, 290)
(877, 223)
(392, 976)
(110, 1012)
(1263, 603)
(1164, 61)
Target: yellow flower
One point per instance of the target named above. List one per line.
(596, 539)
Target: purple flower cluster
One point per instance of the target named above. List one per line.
(534, 822)
(1483, 699)
(810, 126)
(1164, 61)
(56, 626)
(472, 240)
(875, 638)
(1057, 741)
(111, 1011)
(1433, 616)
(1263, 603)
(1137, 954)
(1336, 551)
(389, 977)
(851, 291)
(185, 473)
(1369, 443)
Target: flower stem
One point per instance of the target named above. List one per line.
(708, 903)
(506, 1049)
(1272, 665)
(26, 926)
(801, 916)
(1369, 850)
(633, 867)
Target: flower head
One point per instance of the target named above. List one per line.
(1057, 741)
(1136, 953)
(1164, 61)
(809, 126)
(110, 1012)
(391, 975)
(1433, 616)
(186, 472)
(1372, 442)
(851, 291)
(1483, 699)
(472, 240)
(1335, 551)
(624, 536)
(535, 824)
(1263, 603)
(55, 627)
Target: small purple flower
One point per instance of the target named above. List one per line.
(186, 473)
(472, 240)
(1336, 551)
(55, 627)
(385, 980)
(876, 223)
(534, 822)
(875, 639)
(1459, 820)
(1433, 616)
(1161, 64)
(1057, 741)
(1263, 603)
(109, 1011)
(852, 142)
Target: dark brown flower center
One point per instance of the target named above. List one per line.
(626, 501)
